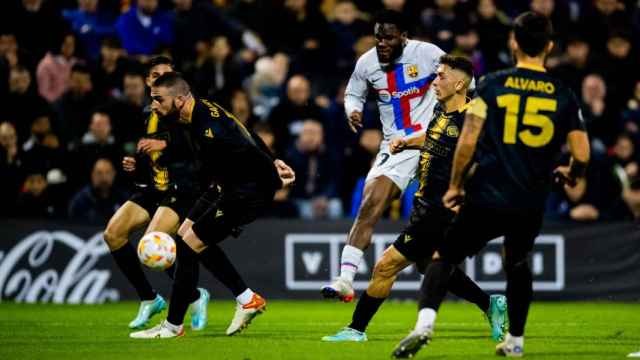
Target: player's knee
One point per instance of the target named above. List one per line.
(193, 241)
(114, 238)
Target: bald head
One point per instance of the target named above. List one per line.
(298, 90)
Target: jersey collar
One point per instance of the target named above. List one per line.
(531, 67)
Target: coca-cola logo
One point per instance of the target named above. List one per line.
(27, 275)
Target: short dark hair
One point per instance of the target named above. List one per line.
(392, 17)
(159, 60)
(461, 63)
(533, 32)
(81, 68)
(112, 42)
(174, 82)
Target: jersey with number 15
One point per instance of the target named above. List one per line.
(528, 116)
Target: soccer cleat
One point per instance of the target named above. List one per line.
(411, 344)
(508, 349)
(340, 289)
(634, 355)
(498, 317)
(160, 331)
(245, 314)
(346, 334)
(199, 310)
(147, 310)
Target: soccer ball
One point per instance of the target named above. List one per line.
(157, 250)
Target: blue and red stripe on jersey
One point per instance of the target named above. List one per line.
(401, 104)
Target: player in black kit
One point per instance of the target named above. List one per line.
(524, 116)
(245, 178)
(429, 218)
(166, 187)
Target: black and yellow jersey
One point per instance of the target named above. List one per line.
(229, 154)
(436, 156)
(176, 164)
(528, 116)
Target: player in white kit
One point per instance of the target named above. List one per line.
(400, 71)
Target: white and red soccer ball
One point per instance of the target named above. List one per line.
(157, 250)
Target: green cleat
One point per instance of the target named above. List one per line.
(147, 310)
(498, 317)
(346, 334)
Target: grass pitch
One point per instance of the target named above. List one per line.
(292, 330)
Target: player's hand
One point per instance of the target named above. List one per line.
(148, 146)
(561, 175)
(453, 198)
(355, 121)
(397, 145)
(285, 172)
(129, 164)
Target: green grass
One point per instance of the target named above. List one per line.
(292, 330)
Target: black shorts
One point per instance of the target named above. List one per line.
(177, 199)
(218, 214)
(475, 226)
(426, 230)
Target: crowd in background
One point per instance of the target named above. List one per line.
(72, 88)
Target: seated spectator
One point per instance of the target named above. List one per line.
(218, 75)
(241, 107)
(287, 118)
(97, 143)
(91, 25)
(145, 28)
(347, 27)
(576, 63)
(493, 32)
(75, 107)
(10, 164)
(110, 68)
(25, 102)
(315, 190)
(264, 85)
(599, 119)
(55, 68)
(98, 201)
(35, 199)
(438, 23)
(466, 44)
(126, 112)
(631, 115)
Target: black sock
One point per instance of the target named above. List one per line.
(435, 284)
(184, 290)
(217, 262)
(129, 264)
(519, 294)
(366, 308)
(461, 286)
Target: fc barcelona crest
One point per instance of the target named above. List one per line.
(412, 71)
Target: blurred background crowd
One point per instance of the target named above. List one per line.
(72, 88)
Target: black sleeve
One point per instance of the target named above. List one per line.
(179, 146)
(574, 113)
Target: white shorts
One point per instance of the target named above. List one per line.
(400, 168)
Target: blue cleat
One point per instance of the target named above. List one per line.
(346, 334)
(498, 317)
(147, 310)
(199, 307)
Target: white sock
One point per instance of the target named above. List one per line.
(172, 327)
(515, 340)
(245, 297)
(349, 261)
(426, 319)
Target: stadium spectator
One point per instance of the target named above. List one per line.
(126, 113)
(619, 68)
(10, 163)
(599, 119)
(439, 24)
(12, 54)
(91, 24)
(287, 117)
(493, 27)
(145, 28)
(97, 143)
(600, 16)
(241, 107)
(217, 75)
(98, 201)
(264, 85)
(74, 108)
(110, 68)
(466, 44)
(576, 64)
(55, 68)
(315, 190)
(23, 102)
(347, 26)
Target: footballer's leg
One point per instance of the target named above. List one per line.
(382, 279)
(378, 192)
(167, 220)
(130, 217)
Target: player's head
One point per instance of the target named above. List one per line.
(390, 31)
(531, 36)
(157, 66)
(169, 93)
(454, 75)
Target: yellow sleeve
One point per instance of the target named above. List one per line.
(478, 107)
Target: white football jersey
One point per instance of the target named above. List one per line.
(404, 95)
